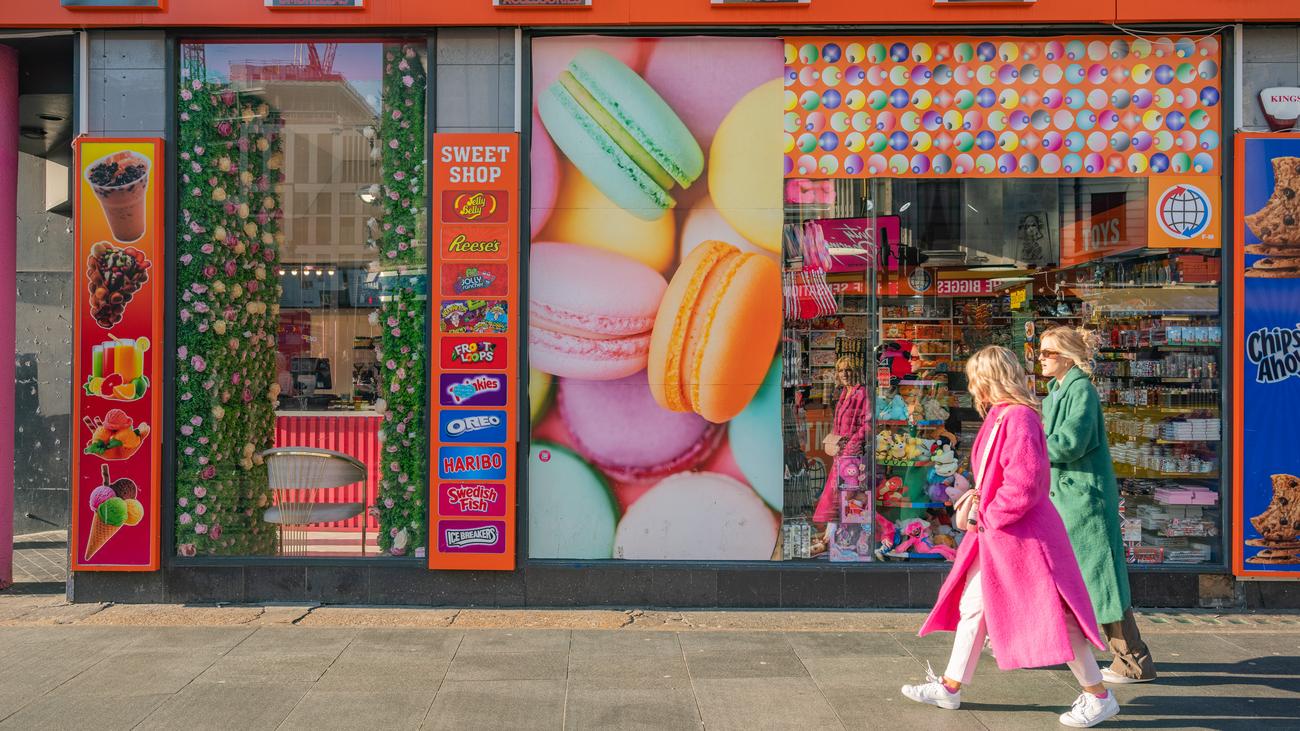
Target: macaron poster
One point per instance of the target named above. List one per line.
(655, 301)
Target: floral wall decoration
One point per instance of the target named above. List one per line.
(403, 275)
(229, 234)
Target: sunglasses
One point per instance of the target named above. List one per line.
(1045, 354)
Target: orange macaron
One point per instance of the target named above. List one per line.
(716, 331)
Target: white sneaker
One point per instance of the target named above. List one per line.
(1113, 678)
(933, 692)
(1089, 710)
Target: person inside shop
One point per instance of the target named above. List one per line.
(847, 439)
(1085, 494)
(1015, 579)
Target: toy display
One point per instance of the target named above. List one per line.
(916, 541)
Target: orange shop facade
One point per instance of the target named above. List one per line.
(618, 305)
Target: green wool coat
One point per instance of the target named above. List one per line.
(1084, 490)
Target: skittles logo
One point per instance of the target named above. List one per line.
(471, 206)
(1184, 211)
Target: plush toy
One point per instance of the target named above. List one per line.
(916, 448)
(884, 440)
(886, 535)
(891, 407)
(851, 471)
(897, 356)
(933, 408)
(916, 538)
(890, 491)
(943, 458)
(898, 448)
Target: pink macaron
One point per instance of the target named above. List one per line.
(590, 311)
(546, 175)
(618, 427)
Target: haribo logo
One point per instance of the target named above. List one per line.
(1184, 211)
(471, 387)
(472, 463)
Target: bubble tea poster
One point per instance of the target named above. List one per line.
(117, 346)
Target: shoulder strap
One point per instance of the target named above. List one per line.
(988, 449)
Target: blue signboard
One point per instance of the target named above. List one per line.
(1267, 356)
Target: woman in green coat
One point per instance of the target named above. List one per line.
(1087, 497)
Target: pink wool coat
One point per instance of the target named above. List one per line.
(1031, 580)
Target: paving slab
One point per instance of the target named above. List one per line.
(749, 703)
(597, 671)
(76, 712)
(221, 706)
(508, 666)
(632, 709)
(498, 704)
(349, 710)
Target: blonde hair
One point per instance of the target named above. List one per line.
(845, 361)
(994, 376)
(1075, 343)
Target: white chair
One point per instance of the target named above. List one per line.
(310, 469)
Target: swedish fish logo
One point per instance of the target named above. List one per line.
(470, 206)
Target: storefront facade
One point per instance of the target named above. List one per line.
(732, 270)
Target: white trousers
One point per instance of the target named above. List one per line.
(971, 631)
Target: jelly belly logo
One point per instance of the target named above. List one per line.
(474, 280)
(475, 242)
(471, 499)
(471, 536)
(472, 463)
(473, 389)
(472, 426)
(478, 206)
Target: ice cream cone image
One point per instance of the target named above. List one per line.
(100, 532)
(114, 504)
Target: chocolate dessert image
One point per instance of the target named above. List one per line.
(1279, 524)
(120, 182)
(115, 274)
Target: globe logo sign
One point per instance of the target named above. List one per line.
(1183, 211)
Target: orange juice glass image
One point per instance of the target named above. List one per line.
(127, 361)
(119, 181)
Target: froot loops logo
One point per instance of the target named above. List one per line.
(471, 206)
(1184, 211)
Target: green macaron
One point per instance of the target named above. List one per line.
(620, 133)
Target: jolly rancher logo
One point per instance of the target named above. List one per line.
(1276, 352)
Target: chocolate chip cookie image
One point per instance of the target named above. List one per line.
(1278, 221)
(1279, 524)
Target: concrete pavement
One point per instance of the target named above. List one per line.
(287, 667)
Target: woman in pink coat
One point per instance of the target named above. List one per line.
(1015, 579)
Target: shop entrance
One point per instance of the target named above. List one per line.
(36, 131)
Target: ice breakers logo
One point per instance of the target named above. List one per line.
(1277, 353)
(459, 538)
(471, 387)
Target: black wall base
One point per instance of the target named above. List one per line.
(588, 585)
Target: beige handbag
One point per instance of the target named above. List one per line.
(967, 506)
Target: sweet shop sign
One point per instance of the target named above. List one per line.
(117, 354)
(476, 261)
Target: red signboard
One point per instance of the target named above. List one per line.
(476, 227)
(117, 355)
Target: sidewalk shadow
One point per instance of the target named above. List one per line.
(1281, 672)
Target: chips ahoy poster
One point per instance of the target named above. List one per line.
(1266, 533)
